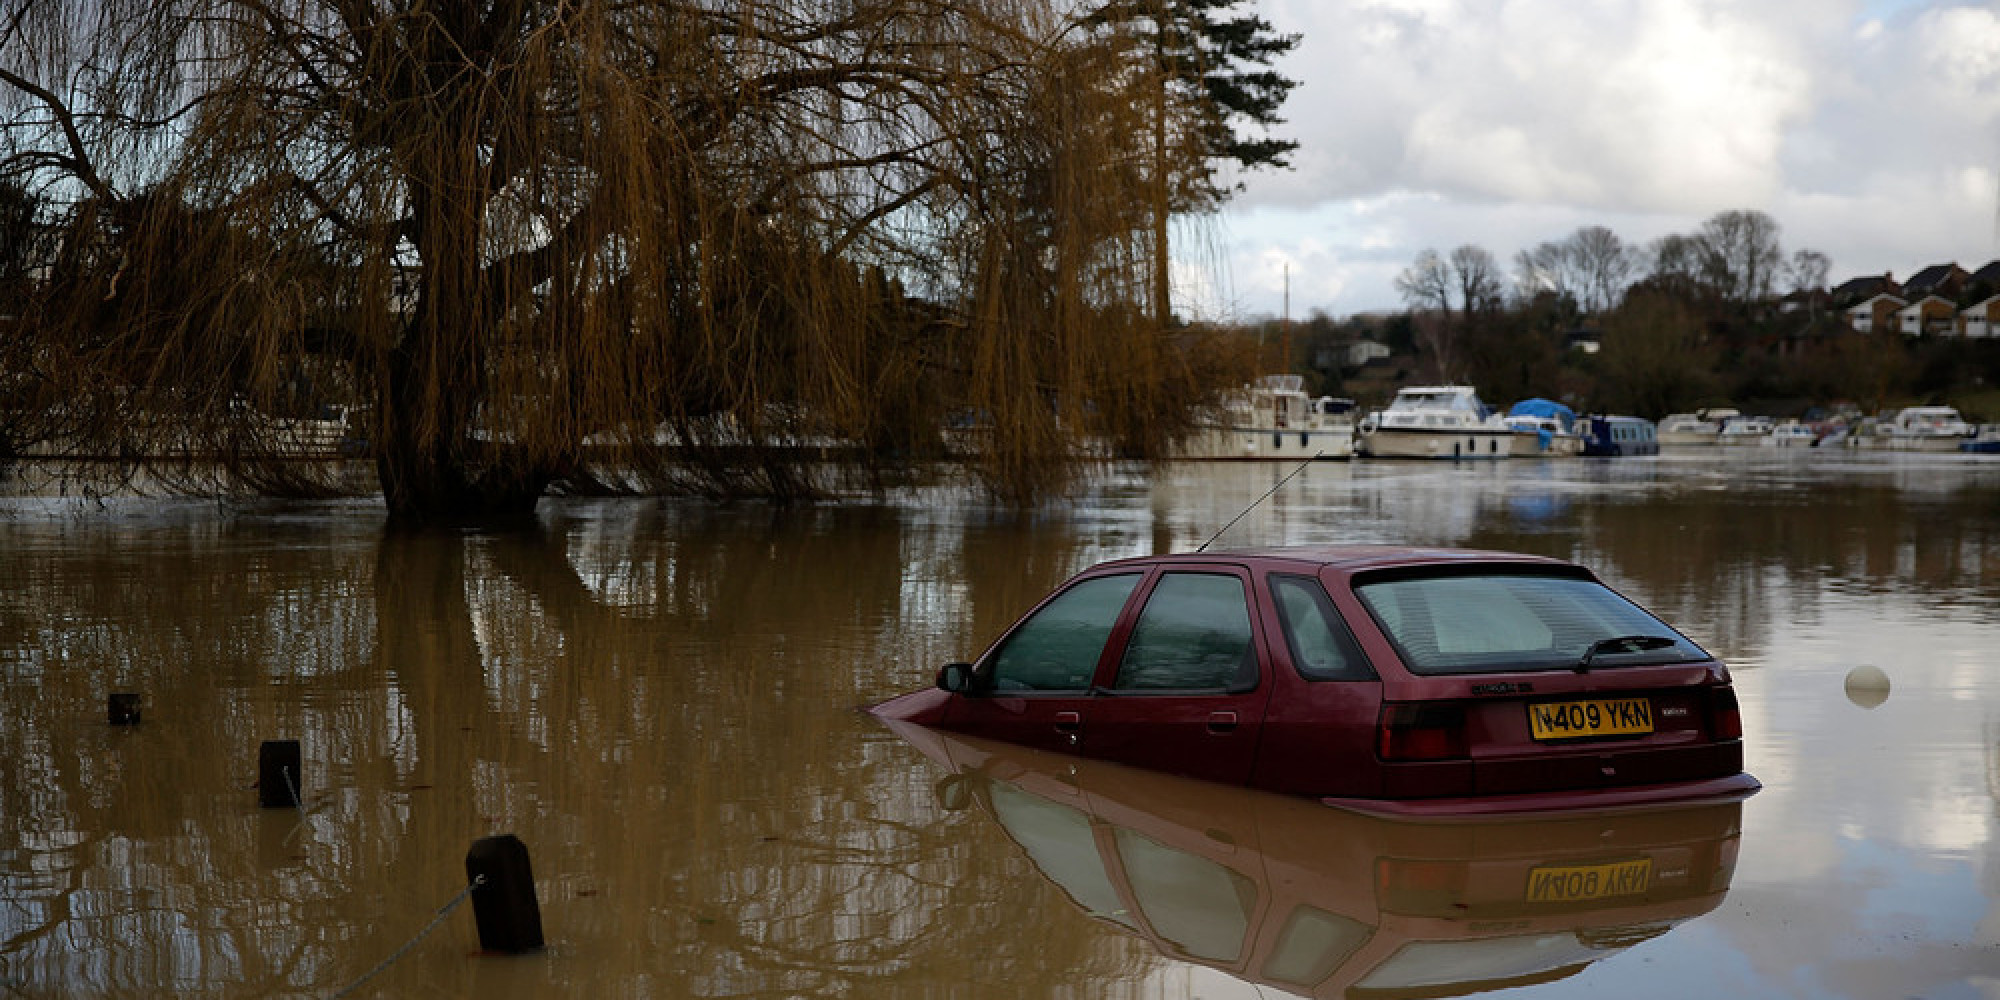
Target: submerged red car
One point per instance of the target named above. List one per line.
(1391, 679)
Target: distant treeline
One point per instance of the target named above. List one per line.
(1719, 316)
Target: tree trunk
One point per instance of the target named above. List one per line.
(434, 470)
(1163, 310)
(441, 460)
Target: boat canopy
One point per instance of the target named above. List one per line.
(1539, 407)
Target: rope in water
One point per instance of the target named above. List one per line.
(293, 787)
(442, 912)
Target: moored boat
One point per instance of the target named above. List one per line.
(1687, 429)
(1613, 436)
(1273, 418)
(1739, 431)
(1986, 441)
(1544, 427)
(1445, 421)
(1791, 434)
(1915, 428)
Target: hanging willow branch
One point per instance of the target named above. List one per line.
(574, 245)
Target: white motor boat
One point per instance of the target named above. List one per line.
(1791, 434)
(1687, 429)
(1915, 428)
(1436, 421)
(1274, 419)
(1738, 431)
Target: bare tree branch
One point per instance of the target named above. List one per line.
(78, 161)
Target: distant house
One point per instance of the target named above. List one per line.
(1984, 282)
(1943, 280)
(1855, 290)
(1878, 312)
(1364, 352)
(1586, 340)
(1932, 315)
(1981, 319)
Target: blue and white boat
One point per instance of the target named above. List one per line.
(1986, 441)
(1544, 427)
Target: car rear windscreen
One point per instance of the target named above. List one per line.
(1492, 622)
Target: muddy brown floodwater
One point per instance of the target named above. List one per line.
(658, 699)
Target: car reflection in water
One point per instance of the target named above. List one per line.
(1324, 902)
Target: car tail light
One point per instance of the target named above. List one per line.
(1427, 731)
(1725, 719)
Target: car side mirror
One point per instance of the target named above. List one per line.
(956, 678)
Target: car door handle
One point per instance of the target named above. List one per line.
(1068, 722)
(1222, 722)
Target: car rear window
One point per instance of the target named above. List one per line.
(1493, 622)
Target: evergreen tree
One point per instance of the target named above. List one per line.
(1214, 96)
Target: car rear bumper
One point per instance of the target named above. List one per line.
(1734, 788)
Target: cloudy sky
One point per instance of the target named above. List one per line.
(1869, 129)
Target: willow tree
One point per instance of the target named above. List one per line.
(537, 240)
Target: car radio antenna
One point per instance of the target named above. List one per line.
(1254, 503)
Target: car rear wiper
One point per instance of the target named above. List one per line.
(1621, 644)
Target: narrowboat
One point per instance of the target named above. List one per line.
(1605, 436)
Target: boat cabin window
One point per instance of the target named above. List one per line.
(1193, 635)
(1322, 649)
(1058, 647)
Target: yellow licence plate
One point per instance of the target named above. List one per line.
(1567, 720)
(1576, 883)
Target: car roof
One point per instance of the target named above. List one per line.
(1347, 559)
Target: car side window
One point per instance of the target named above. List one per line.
(1194, 634)
(1057, 648)
(1321, 648)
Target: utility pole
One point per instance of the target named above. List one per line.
(1285, 362)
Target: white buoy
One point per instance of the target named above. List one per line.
(1867, 686)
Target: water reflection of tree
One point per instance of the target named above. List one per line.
(124, 849)
(780, 862)
(659, 705)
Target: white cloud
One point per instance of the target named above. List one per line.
(1869, 131)
(1964, 46)
(1544, 100)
